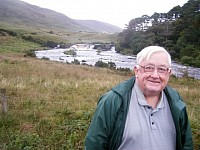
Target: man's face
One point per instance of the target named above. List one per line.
(153, 82)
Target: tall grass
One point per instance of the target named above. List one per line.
(50, 104)
(189, 90)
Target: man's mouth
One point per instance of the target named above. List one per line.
(154, 81)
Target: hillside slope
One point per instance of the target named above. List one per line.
(21, 13)
(18, 12)
(99, 26)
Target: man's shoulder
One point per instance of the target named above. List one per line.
(118, 93)
(125, 86)
(171, 91)
(174, 97)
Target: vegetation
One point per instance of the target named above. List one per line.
(50, 104)
(23, 39)
(22, 13)
(178, 31)
(102, 64)
(46, 109)
(70, 52)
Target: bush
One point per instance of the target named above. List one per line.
(11, 33)
(70, 52)
(76, 62)
(197, 61)
(187, 60)
(111, 65)
(51, 44)
(124, 69)
(101, 64)
(30, 53)
(45, 58)
(31, 39)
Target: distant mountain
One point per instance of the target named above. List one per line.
(21, 13)
(99, 26)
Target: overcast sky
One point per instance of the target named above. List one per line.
(116, 12)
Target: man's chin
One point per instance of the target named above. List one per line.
(154, 90)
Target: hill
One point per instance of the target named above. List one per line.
(99, 26)
(17, 12)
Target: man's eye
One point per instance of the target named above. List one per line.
(149, 68)
(162, 69)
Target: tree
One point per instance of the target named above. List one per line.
(178, 31)
(186, 60)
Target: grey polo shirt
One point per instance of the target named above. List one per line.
(147, 128)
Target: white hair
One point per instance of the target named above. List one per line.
(148, 51)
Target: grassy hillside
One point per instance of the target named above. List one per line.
(17, 12)
(99, 26)
(50, 104)
(23, 39)
(22, 13)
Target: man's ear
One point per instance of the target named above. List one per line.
(136, 69)
(170, 71)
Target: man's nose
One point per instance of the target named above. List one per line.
(155, 73)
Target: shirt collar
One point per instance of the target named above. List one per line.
(142, 101)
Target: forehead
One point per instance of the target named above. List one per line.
(157, 58)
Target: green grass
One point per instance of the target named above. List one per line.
(57, 35)
(11, 44)
(50, 104)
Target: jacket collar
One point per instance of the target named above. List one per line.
(124, 87)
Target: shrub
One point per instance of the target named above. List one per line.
(111, 65)
(76, 62)
(51, 44)
(30, 53)
(101, 64)
(70, 52)
(187, 60)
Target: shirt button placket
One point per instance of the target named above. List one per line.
(152, 122)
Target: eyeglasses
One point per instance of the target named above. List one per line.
(150, 69)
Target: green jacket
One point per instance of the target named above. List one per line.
(107, 125)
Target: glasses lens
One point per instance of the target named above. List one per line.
(149, 68)
(162, 70)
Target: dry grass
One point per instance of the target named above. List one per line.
(51, 103)
(189, 90)
(49, 95)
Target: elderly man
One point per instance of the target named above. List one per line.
(142, 113)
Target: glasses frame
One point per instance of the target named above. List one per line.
(150, 72)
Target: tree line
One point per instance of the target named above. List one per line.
(178, 31)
